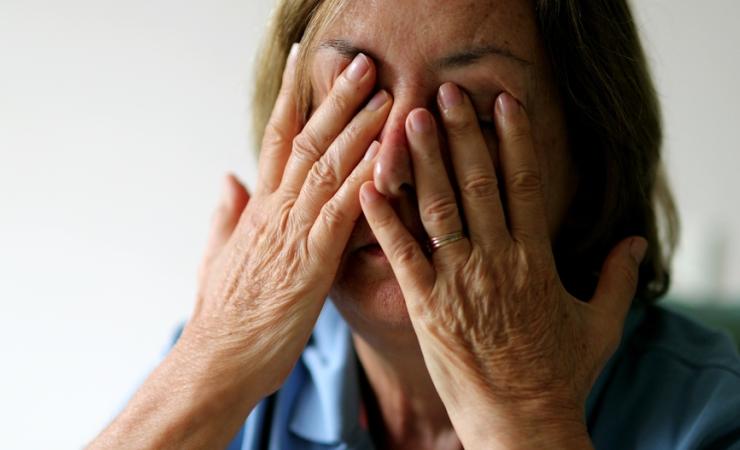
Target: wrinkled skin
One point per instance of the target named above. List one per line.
(489, 314)
(476, 344)
(509, 351)
(263, 291)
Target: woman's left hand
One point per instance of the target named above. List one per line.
(512, 354)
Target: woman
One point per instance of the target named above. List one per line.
(475, 186)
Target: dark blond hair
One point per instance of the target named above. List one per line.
(613, 119)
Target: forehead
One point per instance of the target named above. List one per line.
(432, 29)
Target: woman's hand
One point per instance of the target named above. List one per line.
(270, 262)
(263, 291)
(511, 353)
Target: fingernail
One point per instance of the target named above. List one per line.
(380, 99)
(227, 191)
(638, 248)
(508, 105)
(420, 121)
(294, 51)
(358, 68)
(449, 95)
(369, 193)
(372, 151)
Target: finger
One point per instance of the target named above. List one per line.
(330, 172)
(331, 117)
(437, 203)
(281, 129)
(619, 278)
(412, 269)
(339, 215)
(233, 201)
(525, 201)
(473, 167)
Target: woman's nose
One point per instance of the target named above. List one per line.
(393, 173)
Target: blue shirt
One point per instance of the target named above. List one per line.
(672, 384)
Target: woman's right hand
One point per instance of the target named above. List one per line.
(263, 291)
(269, 266)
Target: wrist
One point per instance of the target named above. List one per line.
(214, 369)
(523, 426)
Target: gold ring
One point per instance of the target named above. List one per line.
(435, 243)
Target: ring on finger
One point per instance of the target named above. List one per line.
(437, 242)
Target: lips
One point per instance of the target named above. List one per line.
(371, 250)
(363, 239)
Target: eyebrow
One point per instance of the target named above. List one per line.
(452, 61)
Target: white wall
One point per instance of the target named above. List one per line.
(693, 48)
(117, 121)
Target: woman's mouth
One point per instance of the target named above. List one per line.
(372, 250)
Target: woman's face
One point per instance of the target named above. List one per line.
(485, 47)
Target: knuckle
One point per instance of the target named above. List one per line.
(429, 155)
(460, 124)
(323, 176)
(480, 186)
(440, 209)
(518, 131)
(306, 146)
(350, 134)
(346, 139)
(525, 182)
(339, 101)
(275, 136)
(629, 274)
(332, 215)
(384, 222)
(356, 178)
(405, 251)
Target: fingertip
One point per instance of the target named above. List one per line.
(235, 196)
(292, 59)
(368, 193)
(290, 66)
(372, 151)
(619, 278)
(449, 96)
(227, 190)
(294, 49)
(508, 106)
(419, 121)
(638, 248)
(510, 116)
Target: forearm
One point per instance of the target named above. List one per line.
(185, 403)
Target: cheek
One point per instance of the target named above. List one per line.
(557, 170)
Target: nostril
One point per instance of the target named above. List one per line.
(393, 173)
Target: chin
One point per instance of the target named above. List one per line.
(368, 296)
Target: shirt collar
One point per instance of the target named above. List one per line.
(327, 406)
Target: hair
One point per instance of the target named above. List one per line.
(613, 123)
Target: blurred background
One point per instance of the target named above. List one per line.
(118, 121)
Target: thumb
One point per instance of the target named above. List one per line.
(619, 277)
(234, 199)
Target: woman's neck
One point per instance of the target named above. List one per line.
(404, 409)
